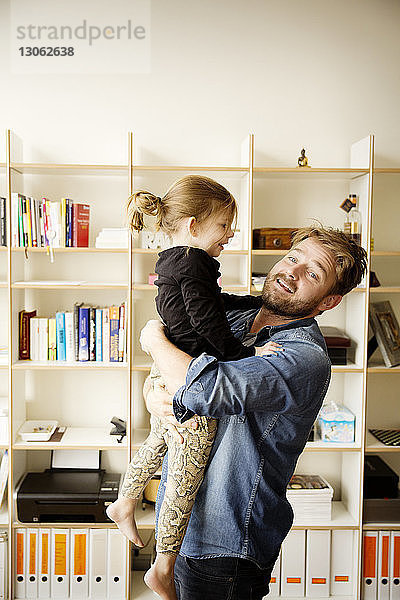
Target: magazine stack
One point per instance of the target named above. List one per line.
(310, 497)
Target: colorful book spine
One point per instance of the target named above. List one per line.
(69, 337)
(52, 339)
(84, 333)
(41, 223)
(24, 334)
(121, 333)
(106, 335)
(60, 334)
(80, 225)
(70, 203)
(114, 329)
(32, 219)
(92, 333)
(99, 334)
(77, 306)
(21, 220)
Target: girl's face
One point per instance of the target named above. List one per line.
(212, 234)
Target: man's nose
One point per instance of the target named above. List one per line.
(230, 233)
(293, 271)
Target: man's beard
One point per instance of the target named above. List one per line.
(286, 307)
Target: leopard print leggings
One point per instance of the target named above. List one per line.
(186, 464)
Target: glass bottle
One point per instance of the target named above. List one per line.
(355, 220)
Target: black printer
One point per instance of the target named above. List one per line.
(66, 496)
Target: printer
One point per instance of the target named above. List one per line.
(66, 495)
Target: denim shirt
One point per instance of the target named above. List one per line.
(265, 409)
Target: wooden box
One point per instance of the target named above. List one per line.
(273, 238)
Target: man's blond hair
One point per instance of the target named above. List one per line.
(350, 258)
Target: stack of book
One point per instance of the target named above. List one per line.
(85, 334)
(310, 497)
(113, 237)
(41, 223)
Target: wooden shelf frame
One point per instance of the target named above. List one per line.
(136, 361)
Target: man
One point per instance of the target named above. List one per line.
(266, 408)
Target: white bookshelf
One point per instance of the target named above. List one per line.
(268, 196)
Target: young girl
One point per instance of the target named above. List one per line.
(197, 213)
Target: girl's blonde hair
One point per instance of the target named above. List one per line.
(191, 196)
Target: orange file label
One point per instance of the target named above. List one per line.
(45, 554)
(396, 557)
(293, 579)
(369, 557)
(318, 580)
(341, 578)
(385, 556)
(80, 554)
(20, 553)
(60, 553)
(272, 580)
(32, 554)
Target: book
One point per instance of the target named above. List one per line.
(114, 333)
(77, 305)
(25, 222)
(52, 340)
(29, 221)
(99, 334)
(121, 332)
(14, 220)
(69, 337)
(60, 335)
(80, 225)
(24, 333)
(386, 329)
(3, 222)
(34, 338)
(83, 333)
(92, 333)
(3, 475)
(43, 339)
(106, 335)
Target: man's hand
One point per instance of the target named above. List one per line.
(149, 333)
(159, 403)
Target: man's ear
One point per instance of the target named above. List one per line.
(329, 302)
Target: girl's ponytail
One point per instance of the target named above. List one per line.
(143, 203)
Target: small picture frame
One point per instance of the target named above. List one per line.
(386, 329)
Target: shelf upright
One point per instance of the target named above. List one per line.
(248, 162)
(362, 155)
(10, 371)
(130, 357)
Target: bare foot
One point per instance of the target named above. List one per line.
(160, 578)
(122, 512)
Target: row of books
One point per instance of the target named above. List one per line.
(42, 223)
(70, 563)
(85, 334)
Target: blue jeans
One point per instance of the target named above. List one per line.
(226, 578)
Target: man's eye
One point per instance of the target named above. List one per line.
(292, 259)
(313, 275)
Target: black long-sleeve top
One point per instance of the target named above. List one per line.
(191, 304)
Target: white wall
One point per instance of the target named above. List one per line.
(296, 72)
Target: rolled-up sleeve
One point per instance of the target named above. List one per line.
(294, 379)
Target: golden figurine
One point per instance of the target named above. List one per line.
(302, 161)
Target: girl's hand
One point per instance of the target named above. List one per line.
(269, 349)
(149, 333)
